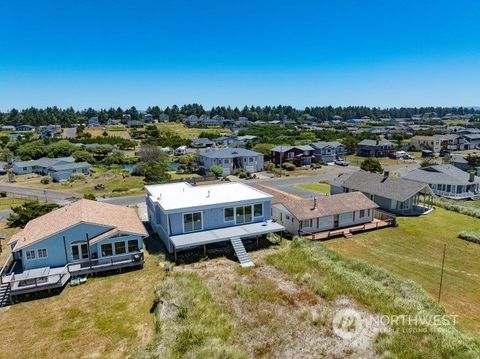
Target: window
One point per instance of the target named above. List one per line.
(132, 246)
(120, 248)
(290, 155)
(258, 210)
(362, 213)
(250, 159)
(226, 161)
(243, 214)
(30, 255)
(107, 250)
(228, 214)
(42, 253)
(287, 217)
(79, 251)
(192, 222)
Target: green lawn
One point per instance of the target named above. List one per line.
(177, 176)
(317, 187)
(414, 251)
(7, 202)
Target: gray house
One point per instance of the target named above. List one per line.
(186, 216)
(62, 172)
(447, 181)
(392, 194)
(80, 238)
(39, 166)
(374, 148)
(231, 159)
(328, 151)
(202, 142)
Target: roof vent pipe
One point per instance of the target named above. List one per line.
(314, 203)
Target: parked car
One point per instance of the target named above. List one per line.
(341, 163)
(406, 156)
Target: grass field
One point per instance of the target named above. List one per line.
(117, 132)
(190, 132)
(318, 187)
(116, 183)
(108, 317)
(177, 176)
(7, 202)
(414, 251)
(384, 161)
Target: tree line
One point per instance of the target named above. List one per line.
(69, 116)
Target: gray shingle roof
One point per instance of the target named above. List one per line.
(229, 153)
(323, 144)
(374, 143)
(45, 162)
(374, 183)
(69, 166)
(441, 174)
(287, 148)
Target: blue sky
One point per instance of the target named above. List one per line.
(106, 53)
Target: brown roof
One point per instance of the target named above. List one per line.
(278, 196)
(329, 205)
(117, 217)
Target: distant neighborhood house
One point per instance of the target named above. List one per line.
(232, 159)
(59, 168)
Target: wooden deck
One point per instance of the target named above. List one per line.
(349, 231)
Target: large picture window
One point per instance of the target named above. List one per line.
(258, 210)
(192, 222)
(228, 214)
(107, 250)
(120, 248)
(243, 214)
(132, 246)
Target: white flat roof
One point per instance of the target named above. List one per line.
(189, 240)
(180, 195)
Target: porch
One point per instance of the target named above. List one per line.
(381, 220)
(39, 279)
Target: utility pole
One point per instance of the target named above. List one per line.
(441, 276)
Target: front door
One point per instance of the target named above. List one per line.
(79, 251)
(336, 221)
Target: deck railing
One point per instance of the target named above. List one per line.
(48, 281)
(104, 262)
(6, 269)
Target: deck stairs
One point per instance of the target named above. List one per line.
(347, 234)
(241, 253)
(5, 298)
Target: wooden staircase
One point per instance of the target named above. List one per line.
(5, 297)
(241, 253)
(347, 234)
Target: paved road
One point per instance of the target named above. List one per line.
(124, 201)
(287, 184)
(38, 193)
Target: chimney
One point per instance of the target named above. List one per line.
(471, 178)
(208, 195)
(314, 203)
(386, 174)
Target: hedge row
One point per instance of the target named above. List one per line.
(470, 236)
(451, 206)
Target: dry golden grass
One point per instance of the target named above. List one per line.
(190, 132)
(108, 317)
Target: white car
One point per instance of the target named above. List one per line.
(341, 163)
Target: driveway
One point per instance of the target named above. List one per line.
(38, 193)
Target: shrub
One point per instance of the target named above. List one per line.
(76, 177)
(289, 166)
(371, 165)
(470, 236)
(120, 189)
(452, 206)
(217, 171)
(46, 180)
(3, 194)
(90, 196)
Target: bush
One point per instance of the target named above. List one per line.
(46, 180)
(217, 171)
(371, 165)
(3, 194)
(77, 177)
(120, 189)
(289, 166)
(452, 206)
(90, 196)
(470, 236)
